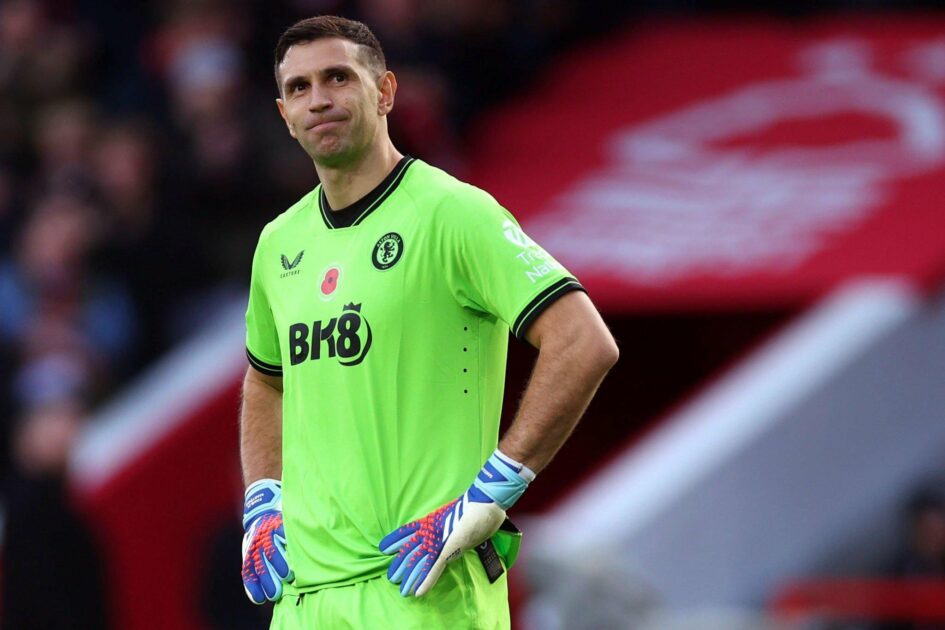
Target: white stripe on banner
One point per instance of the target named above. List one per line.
(156, 403)
(697, 440)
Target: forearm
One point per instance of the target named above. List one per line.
(261, 427)
(558, 393)
(575, 353)
(265, 567)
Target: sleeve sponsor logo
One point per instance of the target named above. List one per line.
(537, 261)
(516, 236)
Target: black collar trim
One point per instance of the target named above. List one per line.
(360, 209)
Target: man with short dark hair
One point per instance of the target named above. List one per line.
(377, 329)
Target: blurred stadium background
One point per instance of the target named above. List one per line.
(753, 193)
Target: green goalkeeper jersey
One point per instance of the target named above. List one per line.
(388, 322)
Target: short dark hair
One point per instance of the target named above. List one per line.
(322, 26)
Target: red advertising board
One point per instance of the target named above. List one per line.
(732, 164)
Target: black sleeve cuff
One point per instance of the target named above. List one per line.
(269, 369)
(542, 301)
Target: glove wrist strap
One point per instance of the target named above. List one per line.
(261, 496)
(524, 471)
(501, 480)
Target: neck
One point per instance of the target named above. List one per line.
(346, 184)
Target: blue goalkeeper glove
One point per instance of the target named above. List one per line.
(424, 547)
(265, 569)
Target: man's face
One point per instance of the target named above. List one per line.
(332, 102)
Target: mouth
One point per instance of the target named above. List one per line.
(325, 125)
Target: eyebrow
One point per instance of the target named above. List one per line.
(324, 72)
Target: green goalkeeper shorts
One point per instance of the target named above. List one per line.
(462, 598)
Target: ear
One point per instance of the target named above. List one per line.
(281, 105)
(387, 87)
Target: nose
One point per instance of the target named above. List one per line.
(318, 100)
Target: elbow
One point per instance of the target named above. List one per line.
(605, 352)
(583, 342)
(596, 351)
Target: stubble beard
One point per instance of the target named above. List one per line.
(337, 158)
(344, 151)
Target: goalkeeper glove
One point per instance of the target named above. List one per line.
(265, 569)
(424, 547)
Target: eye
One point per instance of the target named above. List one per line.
(339, 77)
(296, 87)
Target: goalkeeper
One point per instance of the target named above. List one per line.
(377, 328)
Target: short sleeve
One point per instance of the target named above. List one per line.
(495, 268)
(262, 339)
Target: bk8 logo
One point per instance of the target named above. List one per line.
(346, 338)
